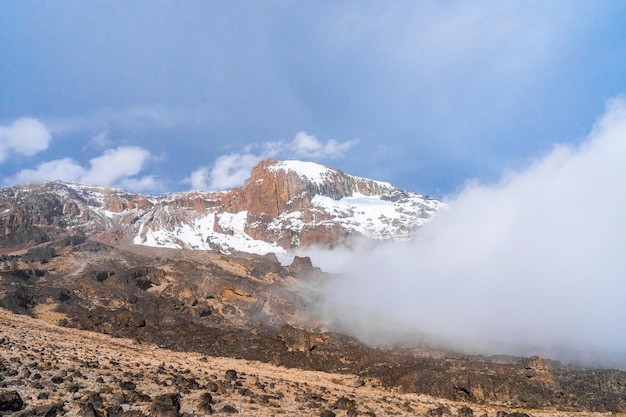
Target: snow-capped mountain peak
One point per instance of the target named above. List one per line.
(284, 205)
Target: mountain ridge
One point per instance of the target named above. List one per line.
(282, 206)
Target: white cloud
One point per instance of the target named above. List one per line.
(25, 136)
(532, 265)
(199, 179)
(115, 167)
(146, 183)
(228, 171)
(115, 164)
(65, 169)
(232, 170)
(308, 146)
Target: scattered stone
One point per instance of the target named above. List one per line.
(438, 412)
(27, 412)
(49, 410)
(88, 410)
(131, 413)
(140, 397)
(127, 385)
(119, 398)
(57, 379)
(229, 409)
(205, 404)
(114, 410)
(465, 412)
(358, 383)
(231, 375)
(514, 414)
(11, 401)
(327, 413)
(95, 399)
(344, 403)
(166, 405)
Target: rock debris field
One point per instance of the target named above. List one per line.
(47, 370)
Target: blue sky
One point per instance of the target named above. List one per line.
(162, 96)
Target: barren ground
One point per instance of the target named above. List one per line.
(60, 370)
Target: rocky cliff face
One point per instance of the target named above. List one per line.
(282, 206)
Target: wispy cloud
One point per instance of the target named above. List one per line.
(115, 167)
(101, 140)
(308, 146)
(232, 170)
(228, 171)
(532, 265)
(148, 116)
(25, 136)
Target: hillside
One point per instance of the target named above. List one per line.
(251, 307)
(51, 370)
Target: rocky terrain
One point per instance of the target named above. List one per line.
(284, 205)
(47, 370)
(179, 306)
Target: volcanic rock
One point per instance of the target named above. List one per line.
(166, 405)
(229, 409)
(231, 375)
(10, 401)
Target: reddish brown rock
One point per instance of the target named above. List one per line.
(114, 205)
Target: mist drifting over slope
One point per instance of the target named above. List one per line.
(535, 264)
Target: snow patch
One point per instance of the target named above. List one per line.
(313, 172)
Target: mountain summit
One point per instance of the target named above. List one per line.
(282, 206)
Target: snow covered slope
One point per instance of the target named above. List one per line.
(284, 205)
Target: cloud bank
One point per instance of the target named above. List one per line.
(531, 265)
(25, 136)
(115, 167)
(232, 170)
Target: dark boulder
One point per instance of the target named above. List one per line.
(438, 412)
(205, 404)
(11, 401)
(465, 412)
(88, 410)
(231, 375)
(344, 403)
(229, 409)
(166, 405)
(127, 385)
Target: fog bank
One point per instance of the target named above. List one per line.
(535, 264)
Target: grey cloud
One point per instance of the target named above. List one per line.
(531, 265)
